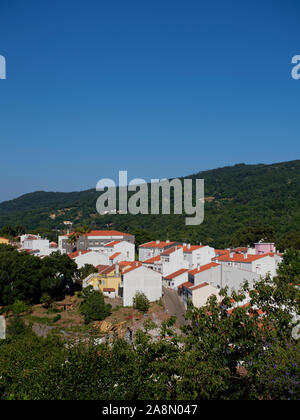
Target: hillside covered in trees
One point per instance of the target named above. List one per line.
(244, 203)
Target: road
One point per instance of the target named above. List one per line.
(174, 305)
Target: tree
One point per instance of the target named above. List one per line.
(93, 307)
(141, 302)
(86, 270)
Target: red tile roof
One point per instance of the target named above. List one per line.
(77, 253)
(186, 284)
(133, 266)
(112, 257)
(113, 243)
(109, 289)
(154, 244)
(175, 274)
(203, 268)
(199, 286)
(105, 269)
(191, 248)
(241, 258)
(152, 260)
(169, 251)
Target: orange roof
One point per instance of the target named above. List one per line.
(77, 253)
(175, 274)
(169, 251)
(241, 258)
(199, 286)
(191, 248)
(133, 266)
(105, 269)
(112, 257)
(154, 244)
(222, 251)
(186, 284)
(203, 268)
(152, 260)
(240, 249)
(113, 243)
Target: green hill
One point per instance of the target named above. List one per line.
(244, 203)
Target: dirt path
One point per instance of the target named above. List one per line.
(174, 305)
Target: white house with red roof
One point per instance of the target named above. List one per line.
(176, 278)
(197, 254)
(138, 278)
(153, 249)
(89, 257)
(35, 242)
(259, 264)
(168, 261)
(198, 294)
(209, 273)
(120, 250)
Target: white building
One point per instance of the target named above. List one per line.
(124, 249)
(153, 249)
(208, 273)
(175, 279)
(141, 279)
(197, 254)
(199, 294)
(89, 257)
(259, 264)
(34, 242)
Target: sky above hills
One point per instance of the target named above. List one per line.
(158, 88)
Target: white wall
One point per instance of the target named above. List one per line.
(93, 257)
(177, 281)
(234, 278)
(143, 280)
(200, 296)
(211, 276)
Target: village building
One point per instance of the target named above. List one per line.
(138, 278)
(93, 240)
(89, 257)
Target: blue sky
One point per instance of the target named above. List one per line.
(159, 88)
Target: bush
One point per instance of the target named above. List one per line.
(45, 300)
(56, 318)
(16, 327)
(141, 302)
(19, 307)
(94, 308)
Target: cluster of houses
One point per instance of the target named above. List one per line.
(195, 272)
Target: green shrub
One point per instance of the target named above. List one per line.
(56, 318)
(94, 308)
(141, 302)
(19, 307)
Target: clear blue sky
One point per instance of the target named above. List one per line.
(159, 88)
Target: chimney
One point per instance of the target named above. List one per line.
(157, 241)
(167, 241)
(198, 266)
(136, 264)
(117, 269)
(189, 246)
(184, 244)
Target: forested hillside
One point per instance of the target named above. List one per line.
(244, 203)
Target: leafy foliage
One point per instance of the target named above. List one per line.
(141, 302)
(93, 307)
(26, 278)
